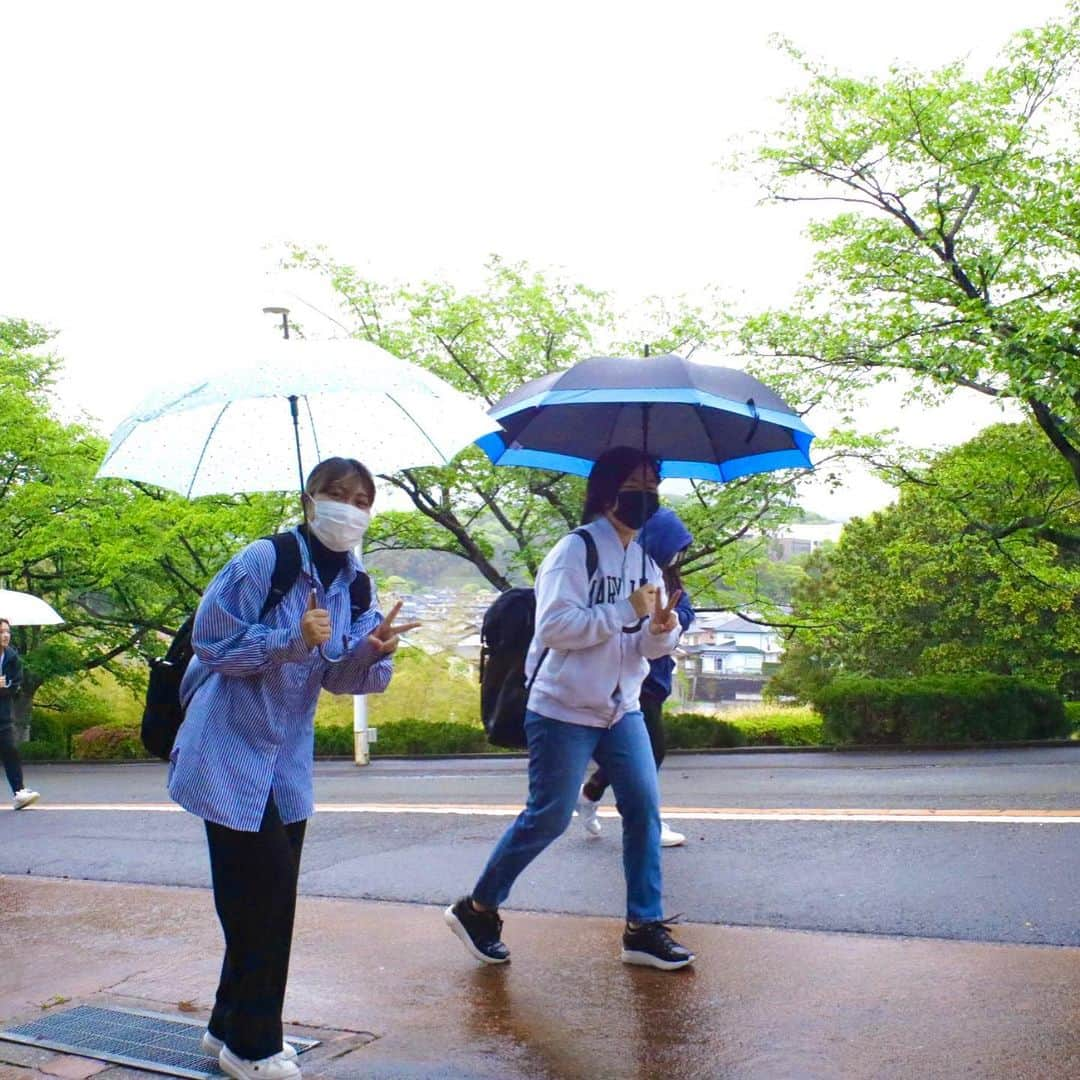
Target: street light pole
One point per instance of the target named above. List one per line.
(284, 313)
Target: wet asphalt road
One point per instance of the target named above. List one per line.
(981, 881)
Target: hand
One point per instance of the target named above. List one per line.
(664, 619)
(315, 625)
(384, 638)
(644, 599)
(3, 681)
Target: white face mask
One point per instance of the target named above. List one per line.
(338, 525)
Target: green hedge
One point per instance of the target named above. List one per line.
(761, 726)
(52, 736)
(795, 727)
(694, 731)
(938, 709)
(108, 742)
(1072, 713)
(410, 736)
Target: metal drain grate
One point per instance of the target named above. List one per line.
(143, 1040)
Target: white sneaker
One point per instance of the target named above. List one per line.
(669, 837)
(212, 1046)
(586, 810)
(24, 797)
(275, 1067)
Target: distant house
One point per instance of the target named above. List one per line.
(802, 539)
(723, 656)
(468, 648)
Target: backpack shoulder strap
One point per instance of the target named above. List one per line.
(592, 559)
(359, 595)
(286, 568)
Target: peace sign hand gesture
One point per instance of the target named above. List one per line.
(384, 638)
(664, 619)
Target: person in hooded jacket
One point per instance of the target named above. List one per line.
(590, 653)
(665, 538)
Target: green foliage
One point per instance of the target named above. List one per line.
(686, 731)
(518, 326)
(52, 735)
(776, 725)
(35, 750)
(427, 685)
(412, 736)
(1072, 712)
(949, 261)
(938, 709)
(121, 562)
(921, 588)
(780, 726)
(108, 742)
(334, 739)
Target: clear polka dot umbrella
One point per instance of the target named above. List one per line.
(260, 423)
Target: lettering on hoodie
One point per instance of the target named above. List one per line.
(607, 589)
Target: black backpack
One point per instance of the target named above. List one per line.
(163, 713)
(505, 635)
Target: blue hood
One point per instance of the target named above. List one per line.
(663, 535)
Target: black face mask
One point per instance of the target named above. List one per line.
(634, 508)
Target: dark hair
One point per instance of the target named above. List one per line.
(673, 582)
(334, 469)
(609, 473)
(5, 622)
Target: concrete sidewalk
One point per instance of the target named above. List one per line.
(393, 994)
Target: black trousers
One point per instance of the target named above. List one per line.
(254, 877)
(653, 710)
(9, 754)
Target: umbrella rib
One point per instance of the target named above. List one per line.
(314, 433)
(412, 420)
(615, 414)
(115, 449)
(205, 447)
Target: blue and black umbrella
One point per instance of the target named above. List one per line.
(702, 422)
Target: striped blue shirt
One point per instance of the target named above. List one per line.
(251, 689)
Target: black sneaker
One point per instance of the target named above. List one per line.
(479, 931)
(651, 945)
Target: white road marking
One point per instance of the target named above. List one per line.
(835, 814)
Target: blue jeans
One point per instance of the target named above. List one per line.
(559, 753)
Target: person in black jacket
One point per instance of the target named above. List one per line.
(10, 682)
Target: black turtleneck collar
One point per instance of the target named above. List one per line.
(328, 564)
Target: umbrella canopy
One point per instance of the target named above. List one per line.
(248, 428)
(703, 422)
(22, 609)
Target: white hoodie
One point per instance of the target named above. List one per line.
(594, 670)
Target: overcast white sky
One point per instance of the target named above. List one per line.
(154, 154)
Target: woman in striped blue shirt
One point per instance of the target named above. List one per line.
(242, 760)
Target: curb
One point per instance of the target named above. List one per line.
(861, 748)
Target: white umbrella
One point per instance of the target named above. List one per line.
(22, 609)
(250, 427)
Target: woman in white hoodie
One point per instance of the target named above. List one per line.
(589, 655)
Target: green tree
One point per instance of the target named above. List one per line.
(519, 326)
(950, 259)
(122, 563)
(924, 588)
